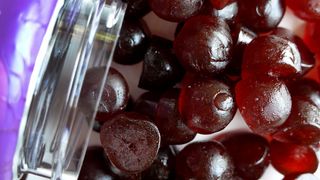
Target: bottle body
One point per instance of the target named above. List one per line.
(61, 96)
(22, 30)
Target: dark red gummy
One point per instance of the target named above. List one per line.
(163, 168)
(250, 154)
(130, 141)
(205, 161)
(175, 10)
(96, 126)
(90, 92)
(307, 57)
(264, 103)
(219, 4)
(307, 176)
(306, 9)
(132, 43)
(306, 88)
(115, 96)
(169, 121)
(95, 166)
(147, 104)
(161, 68)
(271, 55)
(178, 28)
(207, 105)
(228, 13)
(289, 158)
(91, 86)
(204, 45)
(312, 36)
(242, 37)
(303, 124)
(137, 8)
(261, 15)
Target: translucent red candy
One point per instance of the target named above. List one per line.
(228, 13)
(250, 154)
(175, 10)
(95, 165)
(98, 167)
(115, 95)
(305, 9)
(161, 68)
(303, 124)
(307, 57)
(308, 89)
(169, 121)
(312, 36)
(147, 104)
(219, 4)
(163, 168)
(137, 8)
(207, 105)
(205, 161)
(130, 141)
(261, 15)
(272, 56)
(264, 103)
(289, 158)
(242, 37)
(132, 43)
(204, 45)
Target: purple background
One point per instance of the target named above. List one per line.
(23, 24)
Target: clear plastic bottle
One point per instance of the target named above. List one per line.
(54, 58)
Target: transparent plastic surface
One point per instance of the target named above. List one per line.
(59, 120)
(23, 29)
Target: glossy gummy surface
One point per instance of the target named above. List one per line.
(271, 56)
(261, 15)
(219, 4)
(206, 105)
(250, 154)
(132, 42)
(228, 13)
(137, 8)
(161, 68)
(204, 45)
(307, 57)
(163, 168)
(308, 89)
(312, 36)
(308, 10)
(170, 122)
(147, 104)
(115, 95)
(205, 161)
(303, 112)
(175, 10)
(290, 158)
(242, 37)
(303, 124)
(264, 103)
